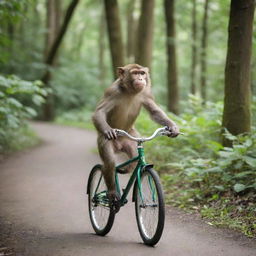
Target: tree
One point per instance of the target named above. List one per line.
(48, 109)
(143, 54)
(102, 32)
(114, 34)
(52, 23)
(172, 78)
(131, 28)
(204, 49)
(237, 114)
(194, 49)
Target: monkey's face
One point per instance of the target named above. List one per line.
(134, 78)
(138, 78)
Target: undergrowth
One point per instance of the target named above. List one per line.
(15, 96)
(78, 118)
(199, 174)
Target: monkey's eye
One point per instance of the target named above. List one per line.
(142, 73)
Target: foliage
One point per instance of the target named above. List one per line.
(78, 118)
(77, 88)
(24, 49)
(200, 174)
(10, 10)
(201, 125)
(12, 111)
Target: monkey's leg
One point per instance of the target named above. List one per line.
(130, 148)
(106, 152)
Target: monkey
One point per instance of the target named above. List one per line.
(118, 109)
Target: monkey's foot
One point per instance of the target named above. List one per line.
(114, 201)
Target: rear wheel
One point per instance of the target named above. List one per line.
(149, 207)
(101, 215)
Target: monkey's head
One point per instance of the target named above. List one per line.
(133, 77)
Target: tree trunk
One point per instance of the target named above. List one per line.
(194, 49)
(52, 23)
(48, 108)
(102, 30)
(114, 34)
(203, 50)
(143, 55)
(237, 113)
(130, 31)
(10, 29)
(172, 79)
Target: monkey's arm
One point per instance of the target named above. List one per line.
(99, 119)
(157, 114)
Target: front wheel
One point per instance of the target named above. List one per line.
(101, 214)
(149, 207)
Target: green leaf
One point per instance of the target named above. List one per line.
(4, 82)
(13, 121)
(192, 171)
(225, 154)
(248, 142)
(15, 103)
(239, 187)
(31, 111)
(219, 187)
(38, 100)
(214, 169)
(214, 145)
(229, 136)
(250, 161)
(243, 174)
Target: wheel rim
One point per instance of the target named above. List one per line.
(99, 207)
(148, 206)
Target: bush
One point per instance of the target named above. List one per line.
(13, 112)
(76, 86)
(199, 173)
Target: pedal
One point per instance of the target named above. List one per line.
(115, 206)
(125, 201)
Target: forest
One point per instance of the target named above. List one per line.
(57, 58)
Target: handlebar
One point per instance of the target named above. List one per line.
(158, 132)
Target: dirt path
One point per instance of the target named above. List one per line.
(44, 210)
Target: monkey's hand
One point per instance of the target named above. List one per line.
(110, 134)
(174, 131)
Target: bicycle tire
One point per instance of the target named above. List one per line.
(151, 199)
(101, 215)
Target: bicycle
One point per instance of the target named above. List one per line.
(147, 195)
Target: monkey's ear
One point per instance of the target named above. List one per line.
(120, 71)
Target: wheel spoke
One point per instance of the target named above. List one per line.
(148, 209)
(149, 205)
(100, 213)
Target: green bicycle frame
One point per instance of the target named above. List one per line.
(136, 174)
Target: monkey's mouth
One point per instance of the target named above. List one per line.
(138, 86)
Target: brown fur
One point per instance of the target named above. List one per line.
(119, 108)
